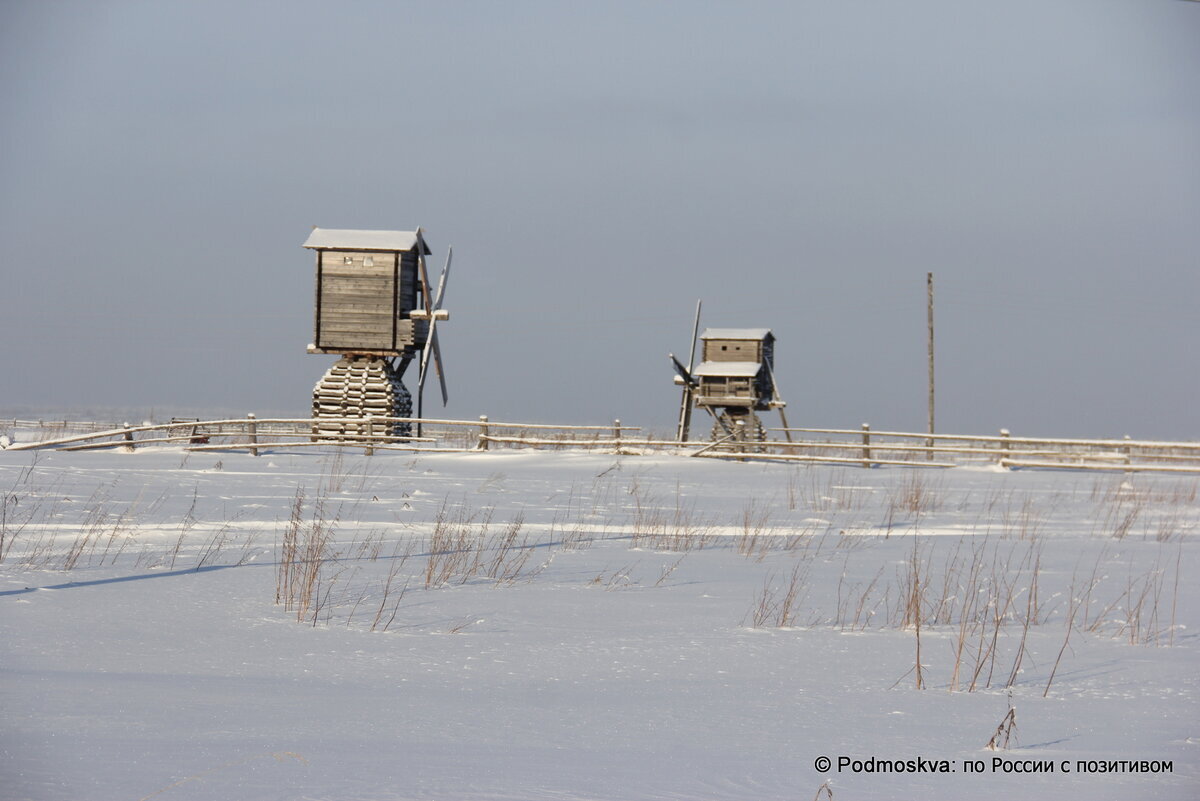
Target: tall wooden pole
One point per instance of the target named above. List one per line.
(929, 287)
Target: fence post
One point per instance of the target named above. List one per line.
(128, 438)
(252, 429)
(1128, 451)
(617, 434)
(1005, 453)
(739, 436)
(370, 449)
(866, 451)
(483, 432)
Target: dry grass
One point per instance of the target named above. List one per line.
(389, 598)
(1005, 732)
(463, 546)
(917, 494)
(18, 507)
(776, 604)
(757, 534)
(678, 528)
(615, 580)
(302, 583)
(822, 491)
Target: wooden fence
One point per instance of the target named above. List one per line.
(860, 447)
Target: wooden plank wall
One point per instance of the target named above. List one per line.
(735, 350)
(356, 300)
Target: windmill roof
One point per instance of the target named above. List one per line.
(736, 333)
(739, 369)
(347, 239)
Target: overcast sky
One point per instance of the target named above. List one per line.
(598, 167)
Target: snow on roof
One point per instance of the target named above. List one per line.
(728, 369)
(346, 239)
(736, 333)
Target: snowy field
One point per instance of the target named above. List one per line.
(549, 625)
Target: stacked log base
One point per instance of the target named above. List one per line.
(755, 431)
(360, 386)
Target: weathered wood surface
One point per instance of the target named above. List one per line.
(379, 261)
(361, 388)
(348, 305)
(357, 290)
(787, 457)
(1134, 467)
(1108, 443)
(352, 272)
(862, 447)
(376, 329)
(732, 350)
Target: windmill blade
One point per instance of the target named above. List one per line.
(441, 289)
(424, 274)
(695, 333)
(432, 344)
(433, 303)
(437, 364)
(424, 363)
(685, 409)
(431, 347)
(424, 366)
(685, 403)
(684, 372)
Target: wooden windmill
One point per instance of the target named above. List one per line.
(375, 309)
(735, 379)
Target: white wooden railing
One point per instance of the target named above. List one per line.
(862, 446)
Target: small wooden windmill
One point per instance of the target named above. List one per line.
(375, 309)
(735, 379)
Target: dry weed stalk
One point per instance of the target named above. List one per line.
(969, 613)
(186, 525)
(1005, 731)
(456, 545)
(1025, 524)
(683, 531)
(1031, 612)
(914, 612)
(770, 609)
(755, 541)
(915, 496)
(668, 570)
(618, 579)
(393, 571)
(300, 583)
(1066, 639)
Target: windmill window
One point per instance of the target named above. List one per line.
(348, 260)
(368, 261)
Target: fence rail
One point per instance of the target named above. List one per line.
(863, 446)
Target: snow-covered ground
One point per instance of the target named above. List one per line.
(551, 625)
